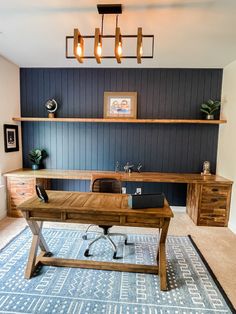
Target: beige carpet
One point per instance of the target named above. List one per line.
(218, 245)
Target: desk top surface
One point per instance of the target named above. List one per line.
(91, 203)
(128, 177)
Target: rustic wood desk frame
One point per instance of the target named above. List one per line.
(208, 197)
(97, 208)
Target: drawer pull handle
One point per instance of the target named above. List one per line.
(22, 193)
(214, 199)
(215, 190)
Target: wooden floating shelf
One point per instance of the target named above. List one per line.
(101, 120)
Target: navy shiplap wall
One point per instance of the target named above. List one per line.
(162, 93)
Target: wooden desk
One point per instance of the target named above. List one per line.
(93, 208)
(208, 197)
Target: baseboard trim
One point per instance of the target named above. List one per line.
(178, 209)
(232, 228)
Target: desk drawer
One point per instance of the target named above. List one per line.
(213, 202)
(145, 221)
(216, 190)
(99, 219)
(214, 205)
(21, 182)
(212, 220)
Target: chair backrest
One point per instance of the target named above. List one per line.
(106, 185)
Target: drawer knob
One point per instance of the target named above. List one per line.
(22, 193)
(215, 190)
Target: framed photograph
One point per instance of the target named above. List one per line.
(120, 105)
(11, 138)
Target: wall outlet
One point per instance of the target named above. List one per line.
(138, 190)
(123, 190)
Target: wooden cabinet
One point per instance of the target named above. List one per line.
(209, 204)
(19, 189)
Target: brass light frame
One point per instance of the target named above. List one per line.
(99, 37)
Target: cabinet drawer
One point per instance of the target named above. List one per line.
(207, 220)
(21, 182)
(218, 190)
(213, 202)
(22, 192)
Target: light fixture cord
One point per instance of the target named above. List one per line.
(117, 17)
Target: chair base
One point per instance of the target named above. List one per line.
(107, 236)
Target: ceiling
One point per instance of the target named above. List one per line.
(188, 33)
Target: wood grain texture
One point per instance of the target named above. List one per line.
(162, 94)
(208, 197)
(19, 189)
(93, 206)
(124, 120)
(209, 204)
(27, 174)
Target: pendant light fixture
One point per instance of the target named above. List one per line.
(99, 38)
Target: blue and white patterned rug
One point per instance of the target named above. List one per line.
(81, 291)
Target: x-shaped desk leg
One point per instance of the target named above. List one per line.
(37, 241)
(161, 255)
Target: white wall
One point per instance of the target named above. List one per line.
(9, 107)
(226, 159)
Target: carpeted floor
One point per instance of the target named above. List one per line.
(67, 290)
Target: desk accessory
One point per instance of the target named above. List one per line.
(206, 170)
(51, 106)
(140, 201)
(139, 167)
(117, 167)
(41, 193)
(128, 168)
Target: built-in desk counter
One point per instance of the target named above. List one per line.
(208, 197)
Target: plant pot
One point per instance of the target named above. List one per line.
(35, 167)
(210, 117)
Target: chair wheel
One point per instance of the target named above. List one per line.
(126, 243)
(84, 237)
(48, 254)
(86, 253)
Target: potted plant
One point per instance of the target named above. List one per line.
(209, 108)
(36, 156)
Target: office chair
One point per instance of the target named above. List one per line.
(105, 185)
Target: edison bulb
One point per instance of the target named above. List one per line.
(119, 49)
(79, 50)
(99, 49)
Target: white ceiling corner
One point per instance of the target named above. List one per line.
(188, 33)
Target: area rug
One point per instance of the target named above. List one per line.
(192, 289)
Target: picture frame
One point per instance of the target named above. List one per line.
(120, 105)
(11, 138)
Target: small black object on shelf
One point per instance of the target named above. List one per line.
(41, 193)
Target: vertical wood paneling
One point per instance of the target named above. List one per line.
(162, 93)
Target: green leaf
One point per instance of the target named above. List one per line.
(206, 112)
(205, 106)
(210, 102)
